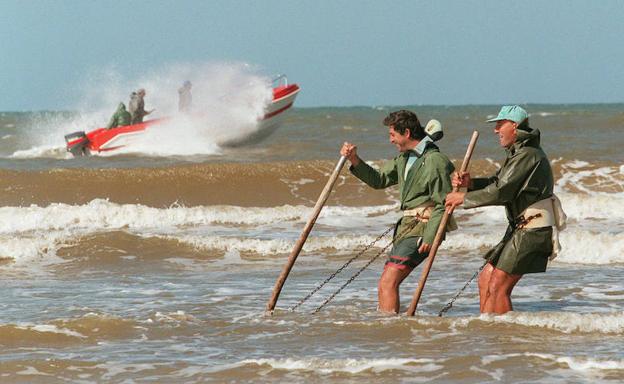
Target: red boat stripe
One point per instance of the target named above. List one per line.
(269, 115)
(397, 266)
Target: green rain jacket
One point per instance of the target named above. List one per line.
(429, 179)
(120, 118)
(525, 178)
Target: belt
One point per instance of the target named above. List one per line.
(421, 213)
(544, 213)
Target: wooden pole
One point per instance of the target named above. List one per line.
(304, 235)
(440, 233)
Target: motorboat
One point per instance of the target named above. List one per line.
(101, 140)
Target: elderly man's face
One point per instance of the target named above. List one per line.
(506, 131)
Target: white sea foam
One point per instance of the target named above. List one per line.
(566, 322)
(228, 100)
(101, 214)
(47, 328)
(275, 246)
(53, 151)
(583, 363)
(36, 232)
(608, 181)
(584, 247)
(574, 363)
(353, 366)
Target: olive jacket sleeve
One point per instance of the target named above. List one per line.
(386, 176)
(503, 188)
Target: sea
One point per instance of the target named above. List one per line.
(154, 264)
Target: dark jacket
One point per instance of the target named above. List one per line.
(136, 107)
(525, 178)
(120, 118)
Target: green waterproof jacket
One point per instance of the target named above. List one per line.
(429, 179)
(120, 118)
(525, 178)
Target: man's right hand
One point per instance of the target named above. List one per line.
(462, 180)
(349, 151)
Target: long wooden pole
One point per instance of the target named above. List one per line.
(440, 233)
(304, 235)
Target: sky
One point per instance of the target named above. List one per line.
(341, 53)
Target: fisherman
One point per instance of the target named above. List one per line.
(423, 175)
(120, 118)
(524, 186)
(185, 98)
(136, 106)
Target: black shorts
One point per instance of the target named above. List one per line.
(405, 255)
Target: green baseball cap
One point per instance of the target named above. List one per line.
(515, 113)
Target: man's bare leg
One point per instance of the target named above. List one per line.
(388, 288)
(484, 280)
(498, 298)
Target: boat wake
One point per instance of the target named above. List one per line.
(229, 101)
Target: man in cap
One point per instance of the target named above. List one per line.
(136, 107)
(423, 175)
(524, 186)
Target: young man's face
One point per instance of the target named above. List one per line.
(506, 131)
(399, 140)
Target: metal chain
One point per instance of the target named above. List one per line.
(450, 303)
(366, 248)
(355, 275)
(330, 298)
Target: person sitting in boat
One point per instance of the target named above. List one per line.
(185, 97)
(120, 118)
(136, 106)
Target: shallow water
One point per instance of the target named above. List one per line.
(144, 268)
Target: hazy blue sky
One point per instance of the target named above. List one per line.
(340, 52)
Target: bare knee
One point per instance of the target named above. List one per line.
(502, 283)
(388, 281)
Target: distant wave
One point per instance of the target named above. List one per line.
(258, 184)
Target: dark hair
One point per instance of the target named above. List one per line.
(404, 119)
(524, 125)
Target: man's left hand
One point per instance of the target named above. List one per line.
(454, 199)
(424, 248)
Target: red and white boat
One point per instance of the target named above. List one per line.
(105, 140)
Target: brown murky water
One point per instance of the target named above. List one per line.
(147, 268)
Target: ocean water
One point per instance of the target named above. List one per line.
(155, 265)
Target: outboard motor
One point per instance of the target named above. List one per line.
(77, 143)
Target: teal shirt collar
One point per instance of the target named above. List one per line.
(419, 150)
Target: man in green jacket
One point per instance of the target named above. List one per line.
(523, 182)
(423, 175)
(120, 118)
